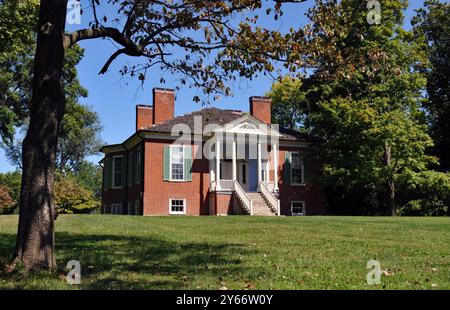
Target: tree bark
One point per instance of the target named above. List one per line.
(35, 236)
(391, 203)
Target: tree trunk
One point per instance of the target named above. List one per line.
(391, 203)
(35, 236)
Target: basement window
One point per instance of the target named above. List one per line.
(177, 206)
(116, 208)
(297, 207)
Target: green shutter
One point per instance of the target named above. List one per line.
(307, 170)
(138, 165)
(166, 169)
(124, 171)
(110, 172)
(106, 174)
(287, 168)
(188, 163)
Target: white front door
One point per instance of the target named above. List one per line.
(243, 175)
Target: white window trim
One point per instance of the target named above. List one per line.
(129, 208)
(170, 164)
(174, 212)
(116, 205)
(304, 207)
(114, 172)
(302, 164)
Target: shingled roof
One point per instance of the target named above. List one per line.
(219, 117)
(208, 116)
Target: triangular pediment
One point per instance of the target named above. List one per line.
(248, 124)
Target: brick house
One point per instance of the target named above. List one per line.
(209, 162)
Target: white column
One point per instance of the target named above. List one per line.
(275, 166)
(259, 162)
(218, 164)
(234, 160)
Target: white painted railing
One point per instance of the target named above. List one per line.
(222, 185)
(273, 202)
(226, 185)
(270, 185)
(241, 195)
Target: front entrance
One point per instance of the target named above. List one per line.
(242, 175)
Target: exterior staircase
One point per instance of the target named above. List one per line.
(260, 206)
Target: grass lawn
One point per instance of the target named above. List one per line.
(238, 252)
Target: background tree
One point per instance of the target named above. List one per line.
(18, 22)
(364, 101)
(5, 199)
(432, 29)
(288, 103)
(18, 19)
(90, 176)
(72, 197)
(213, 49)
(12, 180)
(75, 192)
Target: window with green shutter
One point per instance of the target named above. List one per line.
(130, 168)
(138, 165)
(110, 173)
(177, 163)
(118, 175)
(297, 172)
(188, 163)
(105, 174)
(166, 166)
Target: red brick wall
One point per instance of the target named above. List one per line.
(260, 107)
(311, 193)
(157, 192)
(144, 116)
(125, 194)
(163, 105)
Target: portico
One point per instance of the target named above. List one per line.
(245, 161)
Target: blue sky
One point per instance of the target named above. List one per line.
(114, 98)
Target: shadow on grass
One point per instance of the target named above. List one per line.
(120, 262)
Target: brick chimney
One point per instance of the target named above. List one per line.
(260, 107)
(144, 116)
(163, 104)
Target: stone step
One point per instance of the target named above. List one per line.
(260, 206)
(253, 195)
(264, 213)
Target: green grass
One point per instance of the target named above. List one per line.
(126, 252)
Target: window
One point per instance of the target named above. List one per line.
(297, 169)
(177, 163)
(298, 208)
(117, 171)
(130, 209)
(177, 206)
(137, 207)
(116, 208)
